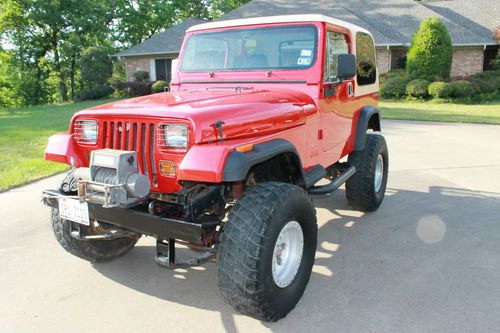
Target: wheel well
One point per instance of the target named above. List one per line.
(374, 122)
(285, 167)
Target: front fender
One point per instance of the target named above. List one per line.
(220, 163)
(62, 148)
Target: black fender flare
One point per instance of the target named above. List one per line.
(369, 118)
(239, 164)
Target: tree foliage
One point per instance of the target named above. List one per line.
(430, 54)
(44, 39)
(97, 67)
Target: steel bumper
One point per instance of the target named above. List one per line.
(138, 220)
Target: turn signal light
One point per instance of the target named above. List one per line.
(245, 148)
(167, 168)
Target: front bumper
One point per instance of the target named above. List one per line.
(137, 219)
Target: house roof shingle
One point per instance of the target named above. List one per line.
(392, 22)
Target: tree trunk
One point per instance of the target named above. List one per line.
(72, 76)
(62, 80)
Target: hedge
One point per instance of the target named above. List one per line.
(134, 88)
(159, 86)
(141, 76)
(394, 87)
(440, 90)
(417, 88)
(462, 89)
(94, 93)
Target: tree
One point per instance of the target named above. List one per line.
(45, 38)
(431, 52)
(8, 79)
(38, 29)
(137, 20)
(97, 67)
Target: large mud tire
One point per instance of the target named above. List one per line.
(247, 258)
(365, 190)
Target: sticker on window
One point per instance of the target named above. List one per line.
(306, 53)
(304, 61)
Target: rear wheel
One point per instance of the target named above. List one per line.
(267, 250)
(365, 190)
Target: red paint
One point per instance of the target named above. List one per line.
(320, 128)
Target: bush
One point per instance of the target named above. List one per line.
(417, 88)
(97, 67)
(393, 87)
(141, 76)
(392, 74)
(94, 93)
(485, 86)
(462, 89)
(489, 81)
(430, 54)
(133, 89)
(396, 73)
(496, 62)
(159, 86)
(440, 90)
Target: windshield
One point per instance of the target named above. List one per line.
(284, 47)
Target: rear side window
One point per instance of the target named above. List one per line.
(366, 68)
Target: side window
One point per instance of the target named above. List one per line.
(336, 43)
(366, 68)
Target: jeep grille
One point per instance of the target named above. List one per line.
(136, 136)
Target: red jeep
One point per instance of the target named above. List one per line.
(258, 112)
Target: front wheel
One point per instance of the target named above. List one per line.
(365, 190)
(91, 250)
(267, 249)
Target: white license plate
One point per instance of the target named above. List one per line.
(74, 210)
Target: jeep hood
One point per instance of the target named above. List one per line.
(244, 111)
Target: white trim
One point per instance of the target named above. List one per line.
(278, 19)
(152, 69)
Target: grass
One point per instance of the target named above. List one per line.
(484, 113)
(23, 138)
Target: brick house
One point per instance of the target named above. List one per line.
(472, 25)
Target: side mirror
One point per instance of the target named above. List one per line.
(346, 66)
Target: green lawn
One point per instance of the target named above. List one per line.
(484, 113)
(23, 138)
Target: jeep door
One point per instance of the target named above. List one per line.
(336, 102)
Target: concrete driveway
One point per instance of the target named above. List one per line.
(427, 260)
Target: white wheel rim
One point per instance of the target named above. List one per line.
(287, 254)
(379, 172)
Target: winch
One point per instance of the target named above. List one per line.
(112, 179)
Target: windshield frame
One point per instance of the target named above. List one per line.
(314, 60)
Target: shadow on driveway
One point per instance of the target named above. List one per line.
(423, 261)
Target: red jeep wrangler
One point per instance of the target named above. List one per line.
(258, 112)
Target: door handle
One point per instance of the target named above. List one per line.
(350, 89)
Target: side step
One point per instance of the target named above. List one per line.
(335, 184)
(314, 174)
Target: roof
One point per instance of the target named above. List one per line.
(166, 42)
(392, 22)
(278, 19)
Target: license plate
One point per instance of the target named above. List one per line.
(74, 210)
